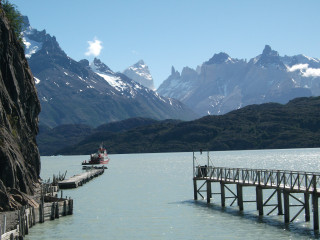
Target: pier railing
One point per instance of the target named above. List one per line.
(293, 180)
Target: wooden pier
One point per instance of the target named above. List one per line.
(283, 185)
(49, 208)
(80, 179)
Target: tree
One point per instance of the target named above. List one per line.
(14, 16)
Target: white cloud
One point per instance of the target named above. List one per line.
(94, 48)
(305, 70)
(312, 72)
(298, 67)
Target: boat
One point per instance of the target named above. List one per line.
(100, 157)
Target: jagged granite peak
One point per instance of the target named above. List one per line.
(181, 84)
(140, 73)
(270, 58)
(98, 66)
(19, 109)
(221, 58)
(34, 39)
(188, 73)
(174, 73)
(219, 88)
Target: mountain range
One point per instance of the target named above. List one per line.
(223, 84)
(80, 92)
(265, 126)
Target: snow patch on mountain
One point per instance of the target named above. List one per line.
(114, 81)
(36, 80)
(31, 46)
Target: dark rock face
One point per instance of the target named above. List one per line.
(19, 110)
(270, 57)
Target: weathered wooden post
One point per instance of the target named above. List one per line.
(4, 224)
(33, 217)
(64, 209)
(307, 206)
(240, 197)
(259, 200)
(52, 213)
(280, 210)
(70, 203)
(286, 203)
(57, 210)
(315, 204)
(195, 191)
(209, 192)
(22, 222)
(26, 221)
(223, 194)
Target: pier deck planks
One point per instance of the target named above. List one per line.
(80, 179)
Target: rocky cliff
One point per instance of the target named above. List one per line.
(19, 109)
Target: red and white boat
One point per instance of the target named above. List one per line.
(100, 157)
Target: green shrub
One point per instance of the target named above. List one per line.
(14, 16)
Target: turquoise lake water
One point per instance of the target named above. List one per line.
(150, 196)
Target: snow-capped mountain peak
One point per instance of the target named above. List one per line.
(222, 85)
(100, 67)
(107, 74)
(140, 73)
(221, 58)
(31, 45)
(269, 59)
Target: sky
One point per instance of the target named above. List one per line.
(175, 33)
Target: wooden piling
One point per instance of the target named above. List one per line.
(307, 207)
(286, 204)
(70, 212)
(259, 195)
(240, 197)
(26, 221)
(57, 210)
(195, 190)
(209, 192)
(223, 194)
(280, 210)
(4, 223)
(64, 212)
(41, 212)
(315, 204)
(53, 208)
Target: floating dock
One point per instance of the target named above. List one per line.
(284, 184)
(80, 179)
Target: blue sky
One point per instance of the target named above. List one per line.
(176, 33)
